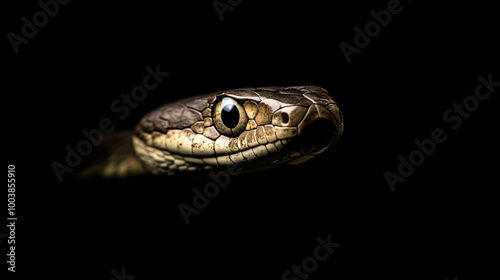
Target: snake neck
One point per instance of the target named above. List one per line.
(114, 158)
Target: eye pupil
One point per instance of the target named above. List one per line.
(230, 115)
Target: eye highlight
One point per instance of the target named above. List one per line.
(229, 117)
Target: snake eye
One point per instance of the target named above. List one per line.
(229, 117)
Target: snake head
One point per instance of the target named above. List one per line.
(255, 128)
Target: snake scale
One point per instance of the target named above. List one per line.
(254, 128)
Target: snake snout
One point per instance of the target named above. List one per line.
(319, 128)
(317, 137)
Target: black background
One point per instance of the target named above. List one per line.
(438, 224)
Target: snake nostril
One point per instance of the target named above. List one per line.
(285, 118)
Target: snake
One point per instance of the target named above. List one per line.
(254, 128)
